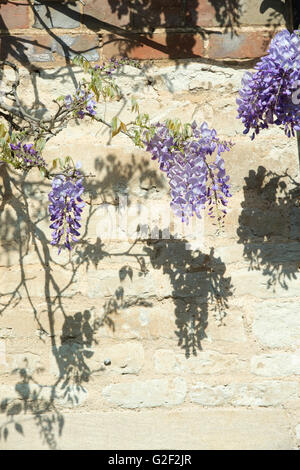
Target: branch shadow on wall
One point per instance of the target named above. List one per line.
(269, 226)
(26, 52)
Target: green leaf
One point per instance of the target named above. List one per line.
(115, 132)
(134, 105)
(40, 144)
(3, 130)
(114, 123)
(123, 127)
(68, 160)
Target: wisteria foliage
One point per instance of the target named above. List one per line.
(269, 95)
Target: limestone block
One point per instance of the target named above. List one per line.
(256, 394)
(208, 362)
(277, 324)
(124, 358)
(276, 364)
(146, 394)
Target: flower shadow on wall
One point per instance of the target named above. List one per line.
(158, 13)
(146, 16)
(199, 287)
(269, 226)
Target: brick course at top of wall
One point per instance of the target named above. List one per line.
(52, 32)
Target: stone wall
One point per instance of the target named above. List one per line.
(159, 343)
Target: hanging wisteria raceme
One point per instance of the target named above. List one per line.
(268, 95)
(65, 209)
(82, 103)
(26, 157)
(194, 181)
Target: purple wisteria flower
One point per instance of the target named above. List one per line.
(26, 157)
(82, 103)
(65, 209)
(194, 182)
(267, 95)
(114, 64)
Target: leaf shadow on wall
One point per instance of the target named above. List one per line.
(269, 226)
(228, 14)
(44, 403)
(278, 10)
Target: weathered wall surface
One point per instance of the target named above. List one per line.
(146, 343)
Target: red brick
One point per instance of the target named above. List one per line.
(245, 45)
(155, 46)
(200, 13)
(106, 11)
(14, 16)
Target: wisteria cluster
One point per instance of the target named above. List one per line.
(26, 157)
(82, 103)
(114, 64)
(195, 182)
(191, 156)
(65, 209)
(267, 94)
